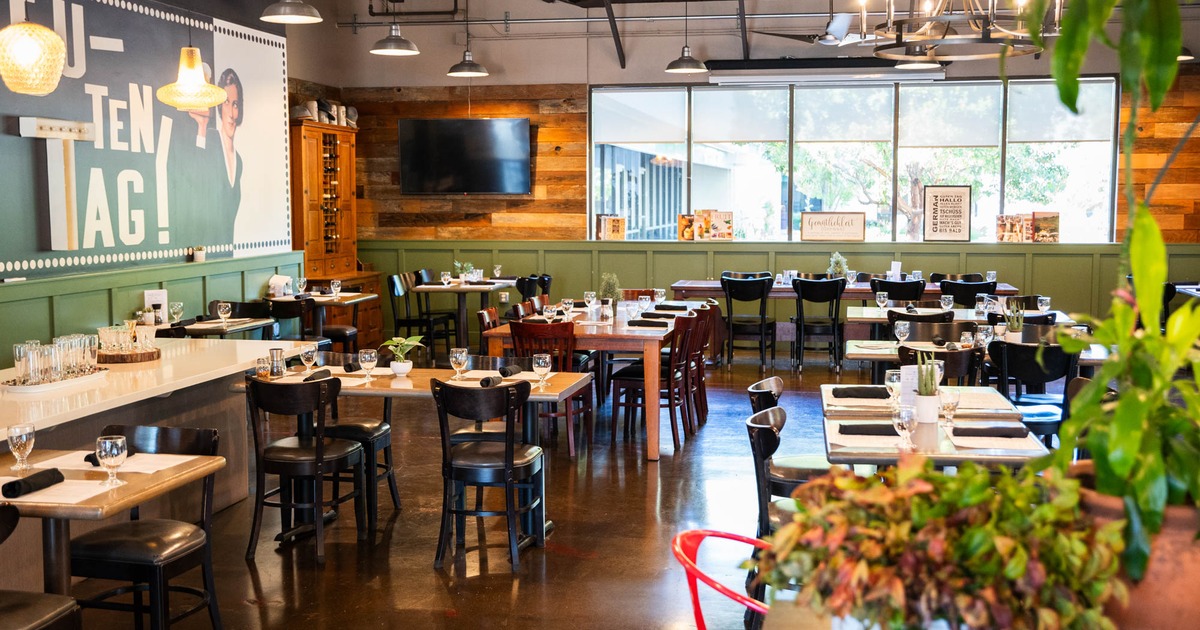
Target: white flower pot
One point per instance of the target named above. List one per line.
(198, 255)
(1014, 337)
(400, 368)
(925, 436)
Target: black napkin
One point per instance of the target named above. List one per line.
(352, 366)
(37, 481)
(510, 370)
(938, 341)
(318, 375)
(184, 322)
(580, 304)
(478, 283)
(490, 381)
(910, 308)
(667, 306)
(867, 429)
(1006, 431)
(536, 320)
(653, 315)
(861, 391)
(504, 278)
(302, 296)
(200, 318)
(91, 457)
(648, 323)
(326, 291)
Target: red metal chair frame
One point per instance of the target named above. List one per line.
(686, 545)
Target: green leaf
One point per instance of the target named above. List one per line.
(1070, 50)
(1137, 543)
(1125, 441)
(1148, 260)
(1162, 19)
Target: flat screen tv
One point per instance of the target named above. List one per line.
(457, 155)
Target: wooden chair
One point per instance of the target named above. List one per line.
(29, 610)
(913, 303)
(1024, 302)
(899, 289)
(1021, 364)
(1041, 319)
(964, 292)
(947, 331)
(520, 310)
(864, 276)
(557, 340)
(632, 295)
(432, 325)
(710, 318)
(489, 318)
(632, 387)
(527, 287)
(826, 293)
(936, 278)
(302, 312)
(543, 283)
(749, 287)
(258, 309)
(539, 302)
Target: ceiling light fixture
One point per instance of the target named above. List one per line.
(686, 63)
(918, 59)
(191, 91)
(290, 12)
(1185, 55)
(31, 58)
(395, 45)
(468, 67)
(974, 31)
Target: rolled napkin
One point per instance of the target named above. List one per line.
(478, 283)
(952, 346)
(37, 481)
(580, 304)
(490, 381)
(667, 306)
(302, 296)
(318, 375)
(184, 322)
(91, 457)
(505, 278)
(326, 291)
(654, 315)
(352, 366)
(1006, 431)
(867, 429)
(648, 323)
(937, 340)
(536, 320)
(861, 391)
(910, 308)
(510, 370)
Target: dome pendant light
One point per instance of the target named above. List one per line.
(468, 67)
(686, 63)
(395, 45)
(31, 58)
(290, 12)
(191, 91)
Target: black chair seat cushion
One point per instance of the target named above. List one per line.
(33, 611)
(147, 542)
(339, 331)
(486, 432)
(491, 455)
(359, 429)
(294, 450)
(780, 512)
(798, 468)
(637, 372)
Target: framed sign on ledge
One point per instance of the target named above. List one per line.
(947, 213)
(833, 226)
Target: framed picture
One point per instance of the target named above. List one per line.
(947, 213)
(833, 226)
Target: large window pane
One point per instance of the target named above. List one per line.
(739, 158)
(949, 135)
(843, 154)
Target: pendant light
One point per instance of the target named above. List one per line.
(686, 63)
(31, 58)
(468, 67)
(917, 58)
(395, 45)
(191, 91)
(290, 12)
(1185, 55)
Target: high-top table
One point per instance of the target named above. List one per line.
(694, 289)
(321, 301)
(461, 290)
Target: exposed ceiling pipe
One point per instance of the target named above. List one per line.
(373, 13)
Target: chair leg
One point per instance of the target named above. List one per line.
(391, 475)
(138, 610)
(612, 412)
(460, 519)
(371, 485)
(363, 501)
(259, 496)
(285, 497)
(446, 529)
(510, 514)
(206, 569)
(318, 517)
(570, 427)
(671, 413)
(160, 606)
(539, 512)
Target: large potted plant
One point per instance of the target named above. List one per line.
(912, 546)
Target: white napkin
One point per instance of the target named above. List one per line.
(1027, 443)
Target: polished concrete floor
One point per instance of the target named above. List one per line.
(607, 565)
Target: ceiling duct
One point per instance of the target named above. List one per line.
(814, 70)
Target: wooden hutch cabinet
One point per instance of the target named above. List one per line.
(324, 222)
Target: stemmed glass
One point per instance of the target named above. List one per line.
(1043, 304)
(548, 311)
(891, 379)
(495, 271)
(20, 442)
(308, 356)
(367, 358)
(175, 309)
(644, 303)
(336, 287)
(589, 298)
(984, 336)
(901, 329)
(541, 367)
(631, 310)
(660, 296)
(301, 284)
(881, 298)
(990, 277)
(446, 277)
(458, 361)
(851, 276)
(566, 306)
(904, 419)
(110, 452)
(947, 302)
(950, 399)
(224, 310)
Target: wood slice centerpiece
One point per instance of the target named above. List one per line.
(133, 356)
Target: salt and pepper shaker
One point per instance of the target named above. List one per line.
(276, 361)
(158, 314)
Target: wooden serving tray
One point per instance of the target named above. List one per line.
(137, 356)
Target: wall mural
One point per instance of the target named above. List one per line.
(146, 183)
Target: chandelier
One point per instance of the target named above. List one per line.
(975, 30)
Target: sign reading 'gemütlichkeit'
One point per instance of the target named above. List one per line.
(948, 213)
(833, 226)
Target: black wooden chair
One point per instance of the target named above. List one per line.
(29, 610)
(749, 287)
(964, 292)
(543, 283)
(960, 365)
(633, 389)
(1021, 365)
(558, 340)
(302, 312)
(527, 287)
(946, 331)
(149, 552)
(826, 321)
(511, 464)
(936, 278)
(1024, 302)
(345, 334)
(425, 276)
(899, 289)
(1041, 319)
(259, 309)
(431, 327)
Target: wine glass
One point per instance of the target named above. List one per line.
(367, 358)
(904, 419)
(589, 298)
(990, 277)
(947, 302)
(1043, 303)
(308, 356)
(901, 330)
(644, 303)
(458, 361)
(541, 367)
(495, 271)
(660, 296)
(916, 275)
(110, 452)
(336, 287)
(446, 277)
(175, 309)
(301, 284)
(567, 305)
(881, 298)
(548, 312)
(631, 310)
(20, 442)
(950, 399)
(984, 335)
(224, 310)
(891, 379)
(851, 276)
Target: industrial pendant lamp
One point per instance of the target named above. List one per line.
(395, 45)
(290, 12)
(917, 58)
(468, 67)
(31, 58)
(686, 63)
(191, 91)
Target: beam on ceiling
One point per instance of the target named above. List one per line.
(742, 27)
(612, 26)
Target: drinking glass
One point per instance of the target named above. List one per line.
(660, 296)
(904, 419)
(262, 368)
(589, 298)
(950, 399)
(644, 302)
(336, 287)
(21, 362)
(548, 312)
(851, 276)
(990, 277)
(495, 271)
(368, 358)
(984, 335)
(308, 356)
(541, 367)
(901, 331)
(631, 310)
(947, 302)
(301, 284)
(916, 275)
(224, 310)
(458, 361)
(966, 339)
(175, 309)
(940, 366)
(891, 379)
(20, 442)
(567, 305)
(145, 337)
(881, 298)
(1043, 304)
(980, 304)
(446, 277)
(110, 452)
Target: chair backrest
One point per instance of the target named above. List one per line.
(521, 310)
(491, 364)
(1041, 319)
(962, 277)
(489, 318)
(258, 309)
(746, 275)
(1024, 302)
(864, 276)
(899, 290)
(174, 441)
(425, 275)
(479, 404)
(765, 394)
(527, 287)
(686, 547)
(684, 336)
(894, 316)
(539, 302)
(291, 309)
(913, 303)
(959, 364)
(291, 399)
(631, 295)
(819, 290)
(964, 292)
(557, 340)
(950, 331)
(739, 289)
(764, 427)
(1021, 362)
(813, 276)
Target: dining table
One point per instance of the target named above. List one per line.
(234, 325)
(461, 290)
(81, 497)
(321, 301)
(883, 351)
(876, 315)
(698, 289)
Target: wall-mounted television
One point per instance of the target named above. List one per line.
(464, 155)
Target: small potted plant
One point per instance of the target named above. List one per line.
(400, 347)
(1014, 324)
(610, 288)
(198, 253)
(912, 547)
(463, 270)
(837, 265)
(927, 402)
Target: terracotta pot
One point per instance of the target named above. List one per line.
(1166, 596)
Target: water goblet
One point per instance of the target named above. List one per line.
(947, 302)
(308, 356)
(1043, 304)
(368, 358)
(20, 442)
(660, 296)
(851, 276)
(881, 298)
(901, 330)
(984, 335)
(631, 310)
(950, 399)
(567, 305)
(301, 284)
(175, 309)
(495, 271)
(541, 367)
(446, 278)
(110, 452)
(458, 361)
(990, 277)
(548, 311)
(336, 287)
(916, 275)
(589, 298)
(891, 380)
(644, 302)
(904, 420)
(224, 310)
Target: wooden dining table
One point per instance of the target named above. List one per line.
(232, 326)
(876, 315)
(697, 289)
(321, 301)
(461, 290)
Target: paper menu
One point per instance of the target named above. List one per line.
(894, 274)
(159, 297)
(908, 385)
